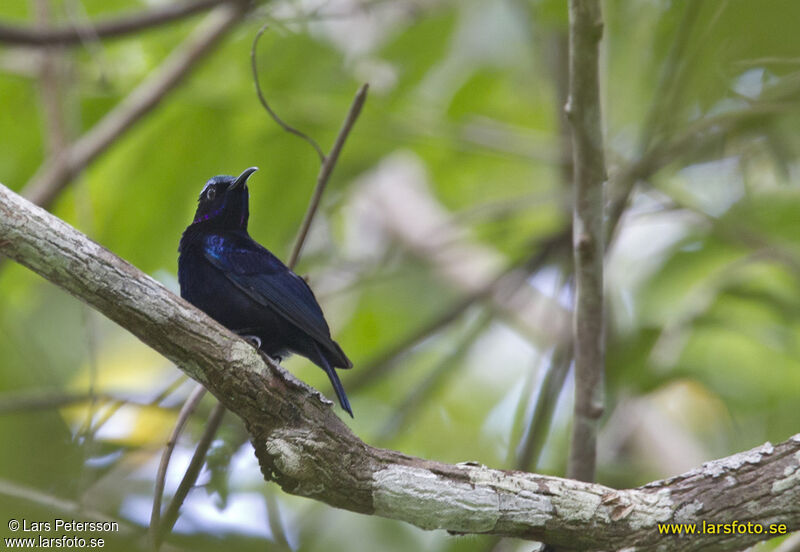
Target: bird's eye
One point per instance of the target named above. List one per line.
(211, 193)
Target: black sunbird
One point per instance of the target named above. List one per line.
(246, 288)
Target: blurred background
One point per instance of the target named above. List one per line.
(440, 253)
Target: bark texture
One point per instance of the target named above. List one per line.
(589, 174)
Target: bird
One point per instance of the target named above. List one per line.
(243, 286)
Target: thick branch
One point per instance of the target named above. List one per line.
(75, 34)
(589, 173)
(304, 447)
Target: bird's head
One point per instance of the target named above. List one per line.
(224, 202)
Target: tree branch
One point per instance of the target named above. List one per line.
(57, 172)
(127, 24)
(503, 285)
(304, 447)
(183, 416)
(190, 477)
(583, 110)
(697, 139)
(288, 128)
(15, 402)
(328, 163)
(540, 418)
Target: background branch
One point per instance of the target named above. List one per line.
(288, 128)
(56, 172)
(120, 26)
(183, 416)
(583, 110)
(190, 477)
(504, 284)
(45, 400)
(328, 163)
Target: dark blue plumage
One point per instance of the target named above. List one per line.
(243, 286)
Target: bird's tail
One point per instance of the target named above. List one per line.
(339, 359)
(337, 384)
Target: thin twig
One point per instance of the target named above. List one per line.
(284, 126)
(535, 411)
(693, 140)
(21, 401)
(541, 413)
(118, 404)
(696, 138)
(56, 173)
(24, 402)
(50, 81)
(509, 280)
(671, 81)
(183, 417)
(584, 112)
(79, 19)
(386, 360)
(190, 477)
(127, 24)
(328, 163)
(274, 519)
(86, 436)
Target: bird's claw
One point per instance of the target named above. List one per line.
(254, 340)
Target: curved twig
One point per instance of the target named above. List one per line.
(263, 100)
(328, 161)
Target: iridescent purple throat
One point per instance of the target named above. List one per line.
(208, 216)
(214, 214)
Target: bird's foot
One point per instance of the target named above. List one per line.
(254, 340)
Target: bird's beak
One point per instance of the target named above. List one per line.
(242, 179)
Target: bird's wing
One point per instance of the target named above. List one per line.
(265, 279)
